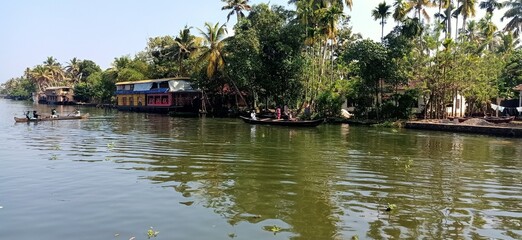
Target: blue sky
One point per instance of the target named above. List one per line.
(101, 30)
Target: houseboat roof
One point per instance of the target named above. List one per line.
(153, 80)
(180, 84)
(54, 88)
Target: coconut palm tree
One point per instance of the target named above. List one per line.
(466, 9)
(444, 15)
(507, 42)
(487, 30)
(212, 50)
(420, 8)
(237, 7)
(490, 5)
(514, 12)
(323, 3)
(185, 46)
(381, 12)
(40, 76)
(72, 70)
(402, 8)
(54, 69)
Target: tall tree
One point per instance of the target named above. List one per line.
(466, 9)
(73, 70)
(40, 76)
(420, 8)
(324, 3)
(507, 43)
(381, 12)
(514, 13)
(54, 70)
(185, 46)
(237, 7)
(212, 51)
(402, 8)
(490, 5)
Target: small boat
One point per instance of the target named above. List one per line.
(499, 119)
(460, 119)
(51, 119)
(283, 122)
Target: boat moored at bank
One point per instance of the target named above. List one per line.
(169, 95)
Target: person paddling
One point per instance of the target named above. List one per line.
(53, 113)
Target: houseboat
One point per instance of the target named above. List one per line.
(169, 95)
(57, 95)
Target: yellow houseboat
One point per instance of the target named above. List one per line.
(169, 95)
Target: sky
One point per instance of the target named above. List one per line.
(102, 30)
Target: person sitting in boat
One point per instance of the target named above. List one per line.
(53, 113)
(253, 115)
(35, 115)
(77, 113)
(291, 116)
(27, 115)
(278, 112)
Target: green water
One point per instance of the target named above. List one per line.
(117, 174)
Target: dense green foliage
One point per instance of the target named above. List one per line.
(310, 56)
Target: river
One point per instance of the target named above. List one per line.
(119, 175)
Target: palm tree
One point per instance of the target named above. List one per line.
(73, 70)
(212, 53)
(121, 62)
(472, 33)
(402, 8)
(212, 50)
(339, 3)
(185, 46)
(444, 18)
(237, 7)
(487, 30)
(323, 3)
(54, 69)
(507, 42)
(515, 13)
(466, 9)
(490, 5)
(40, 76)
(382, 12)
(420, 8)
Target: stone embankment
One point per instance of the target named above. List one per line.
(474, 125)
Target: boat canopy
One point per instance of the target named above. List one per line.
(155, 86)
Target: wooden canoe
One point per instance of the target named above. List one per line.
(283, 122)
(51, 119)
(499, 119)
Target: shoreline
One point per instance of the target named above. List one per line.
(511, 130)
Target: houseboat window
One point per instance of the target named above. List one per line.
(164, 84)
(154, 85)
(158, 100)
(124, 100)
(151, 100)
(164, 99)
(131, 101)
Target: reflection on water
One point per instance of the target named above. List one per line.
(221, 178)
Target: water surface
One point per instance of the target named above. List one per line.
(117, 174)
